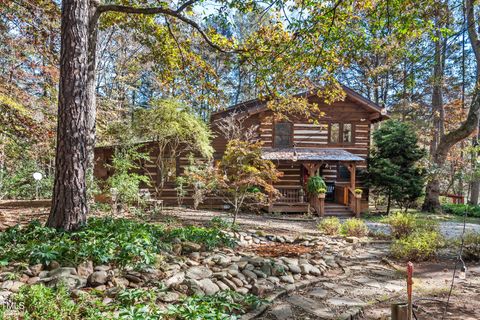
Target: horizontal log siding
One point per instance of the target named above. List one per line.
(308, 133)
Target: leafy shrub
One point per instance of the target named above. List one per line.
(330, 226)
(471, 250)
(19, 183)
(421, 245)
(124, 180)
(201, 178)
(315, 184)
(459, 209)
(39, 302)
(223, 305)
(119, 241)
(402, 224)
(354, 228)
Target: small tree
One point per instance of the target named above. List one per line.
(176, 130)
(394, 169)
(124, 179)
(200, 176)
(242, 174)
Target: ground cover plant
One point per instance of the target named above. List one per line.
(103, 240)
(461, 209)
(38, 302)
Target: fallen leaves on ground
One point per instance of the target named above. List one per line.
(280, 250)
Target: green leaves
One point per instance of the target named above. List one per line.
(121, 242)
(394, 168)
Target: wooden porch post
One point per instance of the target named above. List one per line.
(315, 202)
(357, 200)
(352, 169)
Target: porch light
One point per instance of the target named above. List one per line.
(295, 155)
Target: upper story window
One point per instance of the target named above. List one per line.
(283, 135)
(341, 133)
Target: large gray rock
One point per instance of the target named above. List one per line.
(169, 297)
(208, 286)
(198, 273)
(194, 287)
(249, 274)
(12, 285)
(294, 268)
(98, 278)
(175, 279)
(62, 272)
(84, 269)
(70, 281)
(262, 287)
(188, 247)
(306, 268)
(287, 278)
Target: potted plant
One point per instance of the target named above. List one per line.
(316, 186)
(358, 193)
(321, 193)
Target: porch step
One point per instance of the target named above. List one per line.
(338, 210)
(331, 209)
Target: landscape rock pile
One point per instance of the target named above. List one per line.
(199, 272)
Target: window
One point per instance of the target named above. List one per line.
(283, 135)
(335, 132)
(347, 133)
(341, 133)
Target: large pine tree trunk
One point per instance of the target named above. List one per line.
(69, 204)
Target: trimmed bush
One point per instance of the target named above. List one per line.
(330, 226)
(459, 209)
(421, 245)
(402, 224)
(354, 228)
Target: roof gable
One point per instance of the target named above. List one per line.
(256, 105)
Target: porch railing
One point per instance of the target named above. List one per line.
(292, 195)
(353, 201)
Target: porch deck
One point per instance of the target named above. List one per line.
(293, 200)
(331, 209)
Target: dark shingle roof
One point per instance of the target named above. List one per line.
(309, 154)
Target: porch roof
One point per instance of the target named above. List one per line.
(306, 154)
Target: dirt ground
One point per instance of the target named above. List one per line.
(432, 280)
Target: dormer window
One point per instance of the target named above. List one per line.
(340, 133)
(283, 135)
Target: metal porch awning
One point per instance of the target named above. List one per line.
(309, 154)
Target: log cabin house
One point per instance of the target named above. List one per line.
(334, 146)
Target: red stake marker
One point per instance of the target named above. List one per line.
(409, 289)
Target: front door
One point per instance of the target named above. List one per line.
(330, 195)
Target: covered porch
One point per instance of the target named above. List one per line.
(340, 198)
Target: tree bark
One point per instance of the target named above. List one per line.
(69, 203)
(432, 202)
